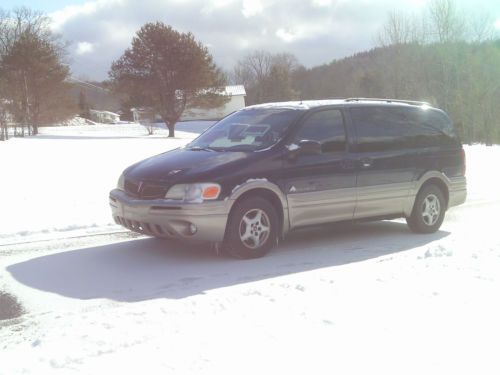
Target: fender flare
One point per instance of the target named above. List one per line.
(261, 183)
(417, 185)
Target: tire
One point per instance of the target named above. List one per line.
(428, 211)
(252, 229)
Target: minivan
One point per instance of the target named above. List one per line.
(267, 169)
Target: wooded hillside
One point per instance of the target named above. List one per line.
(460, 77)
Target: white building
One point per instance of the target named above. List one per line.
(104, 117)
(237, 95)
(237, 101)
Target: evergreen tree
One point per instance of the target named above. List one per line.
(168, 71)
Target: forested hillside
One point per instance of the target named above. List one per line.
(462, 78)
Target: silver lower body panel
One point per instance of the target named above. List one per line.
(458, 191)
(171, 219)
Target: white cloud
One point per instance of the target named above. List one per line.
(84, 47)
(287, 36)
(497, 24)
(252, 8)
(64, 15)
(316, 31)
(323, 3)
(215, 5)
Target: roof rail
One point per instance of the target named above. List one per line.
(387, 101)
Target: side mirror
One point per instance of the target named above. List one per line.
(308, 147)
(304, 147)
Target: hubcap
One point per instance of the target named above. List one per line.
(431, 208)
(254, 228)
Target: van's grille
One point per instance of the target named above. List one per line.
(145, 190)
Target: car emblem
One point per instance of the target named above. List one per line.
(139, 187)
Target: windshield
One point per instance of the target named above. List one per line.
(247, 130)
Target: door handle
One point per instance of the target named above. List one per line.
(366, 162)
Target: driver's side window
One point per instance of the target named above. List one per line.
(326, 127)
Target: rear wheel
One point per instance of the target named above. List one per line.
(428, 211)
(252, 229)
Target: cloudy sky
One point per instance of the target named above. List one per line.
(316, 31)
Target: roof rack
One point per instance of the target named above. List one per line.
(387, 101)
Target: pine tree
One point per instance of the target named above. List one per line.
(168, 71)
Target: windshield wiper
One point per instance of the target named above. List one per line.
(200, 148)
(241, 148)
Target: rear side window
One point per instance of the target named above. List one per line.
(326, 127)
(434, 128)
(394, 128)
(381, 128)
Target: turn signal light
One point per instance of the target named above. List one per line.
(211, 192)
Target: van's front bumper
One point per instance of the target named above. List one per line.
(171, 219)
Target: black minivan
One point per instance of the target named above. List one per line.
(267, 169)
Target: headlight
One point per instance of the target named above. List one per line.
(194, 192)
(121, 182)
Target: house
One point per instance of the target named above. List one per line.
(237, 95)
(237, 101)
(104, 117)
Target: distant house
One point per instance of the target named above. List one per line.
(237, 95)
(104, 117)
(237, 101)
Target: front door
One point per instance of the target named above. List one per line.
(320, 187)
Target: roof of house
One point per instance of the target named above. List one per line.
(104, 112)
(236, 90)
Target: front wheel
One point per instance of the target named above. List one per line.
(252, 229)
(428, 211)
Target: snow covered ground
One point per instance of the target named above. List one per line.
(368, 298)
(57, 184)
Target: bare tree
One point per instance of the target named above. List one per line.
(445, 21)
(267, 77)
(480, 27)
(398, 29)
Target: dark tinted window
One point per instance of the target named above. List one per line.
(393, 128)
(434, 128)
(326, 127)
(381, 128)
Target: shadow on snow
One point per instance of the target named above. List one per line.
(150, 268)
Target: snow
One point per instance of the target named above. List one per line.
(78, 121)
(348, 299)
(58, 182)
